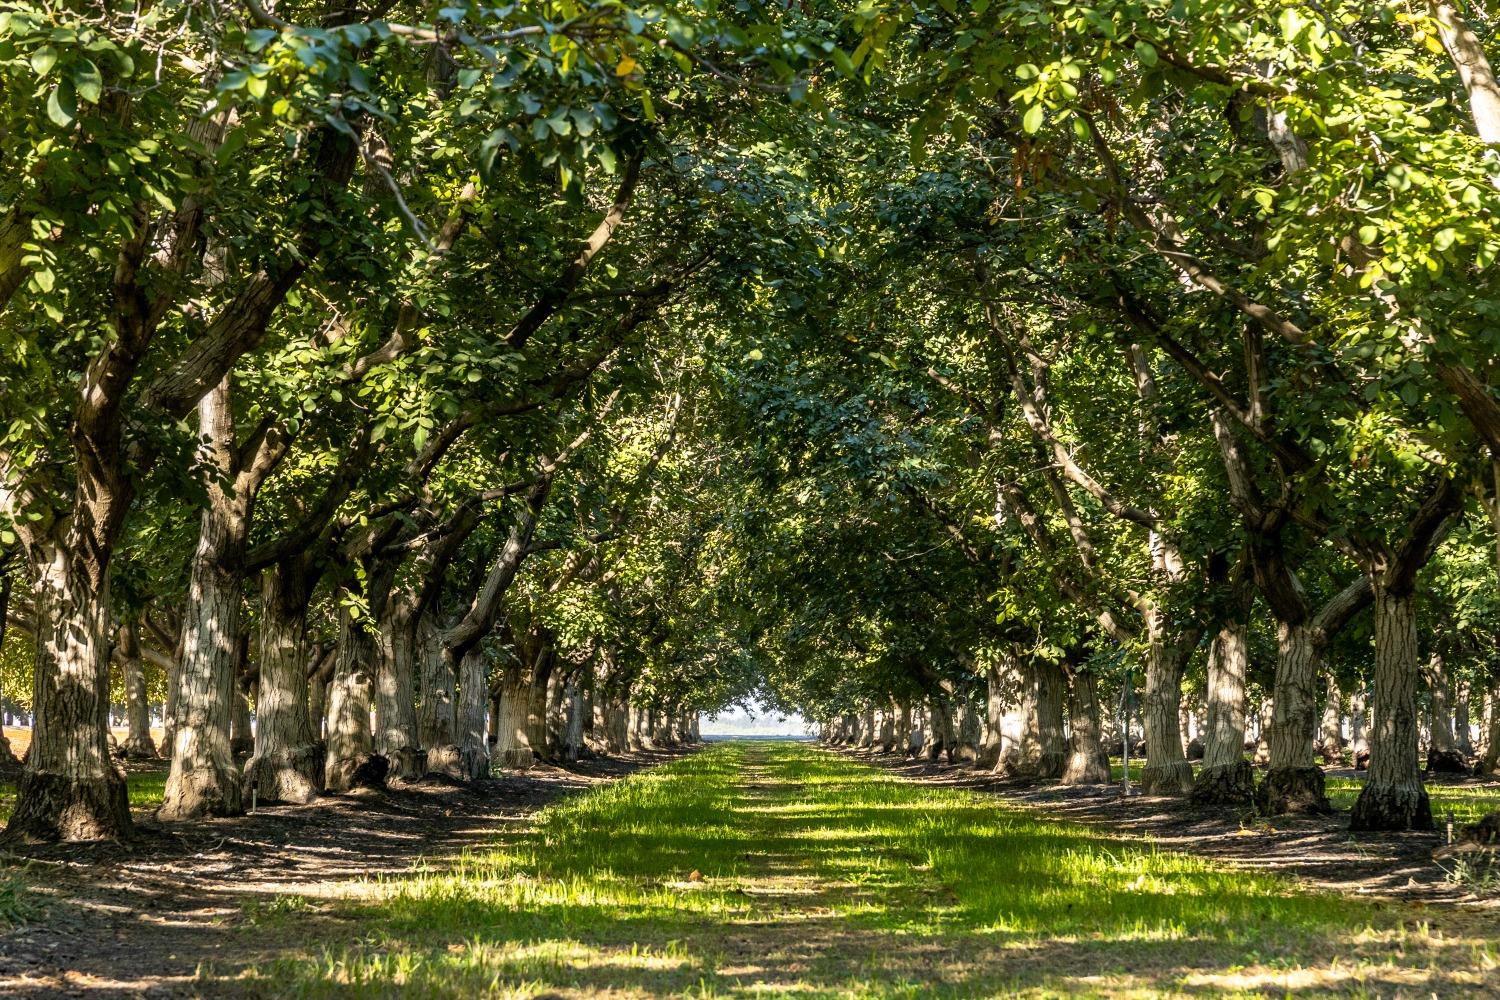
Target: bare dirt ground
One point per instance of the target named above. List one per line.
(141, 918)
(1317, 851)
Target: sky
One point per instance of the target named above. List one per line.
(757, 722)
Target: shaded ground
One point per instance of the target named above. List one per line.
(142, 918)
(1319, 851)
(755, 870)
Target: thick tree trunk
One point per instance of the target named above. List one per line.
(1439, 689)
(1226, 777)
(1051, 759)
(1294, 784)
(70, 789)
(436, 715)
(1491, 757)
(138, 743)
(616, 726)
(969, 731)
(536, 719)
(395, 689)
(994, 714)
(204, 780)
(887, 738)
(241, 727)
(1393, 797)
(1359, 740)
(349, 760)
(473, 699)
(1443, 756)
(1020, 737)
(1088, 763)
(867, 728)
(1463, 734)
(1330, 729)
(288, 763)
(512, 749)
(943, 728)
(1167, 771)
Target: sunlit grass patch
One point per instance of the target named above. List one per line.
(760, 870)
(145, 789)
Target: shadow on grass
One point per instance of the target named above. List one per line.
(780, 869)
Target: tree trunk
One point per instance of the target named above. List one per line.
(1294, 784)
(1051, 743)
(994, 715)
(1393, 797)
(969, 731)
(887, 739)
(572, 747)
(536, 717)
(1331, 735)
(1167, 771)
(241, 729)
(1359, 741)
(867, 728)
(288, 763)
(1020, 739)
(1492, 727)
(395, 690)
(1439, 689)
(204, 780)
(1463, 731)
(512, 747)
(9, 765)
(1226, 777)
(348, 762)
(473, 698)
(138, 743)
(436, 718)
(70, 789)
(1088, 763)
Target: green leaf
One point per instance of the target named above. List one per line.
(1146, 52)
(1033, 119)
(62, 104)
(43, 59)
(89, 81)
(256, 86)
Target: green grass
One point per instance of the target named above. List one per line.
(783, 870)
(145, 789)
(1467, 803)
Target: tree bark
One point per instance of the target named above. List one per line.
(204, 780)
(350, 746)
(436, 718)
(1492, 727)
(1393, 797)
(70, 789)
(1473, 69)
(1294, 784)
(994, 714)
(138, 743)
(1226, 777)
(473, 699)
(288, 764)
(1167, 771)
(1088, 763)
(1051, 759)
(396, 736)
(1331, 735)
